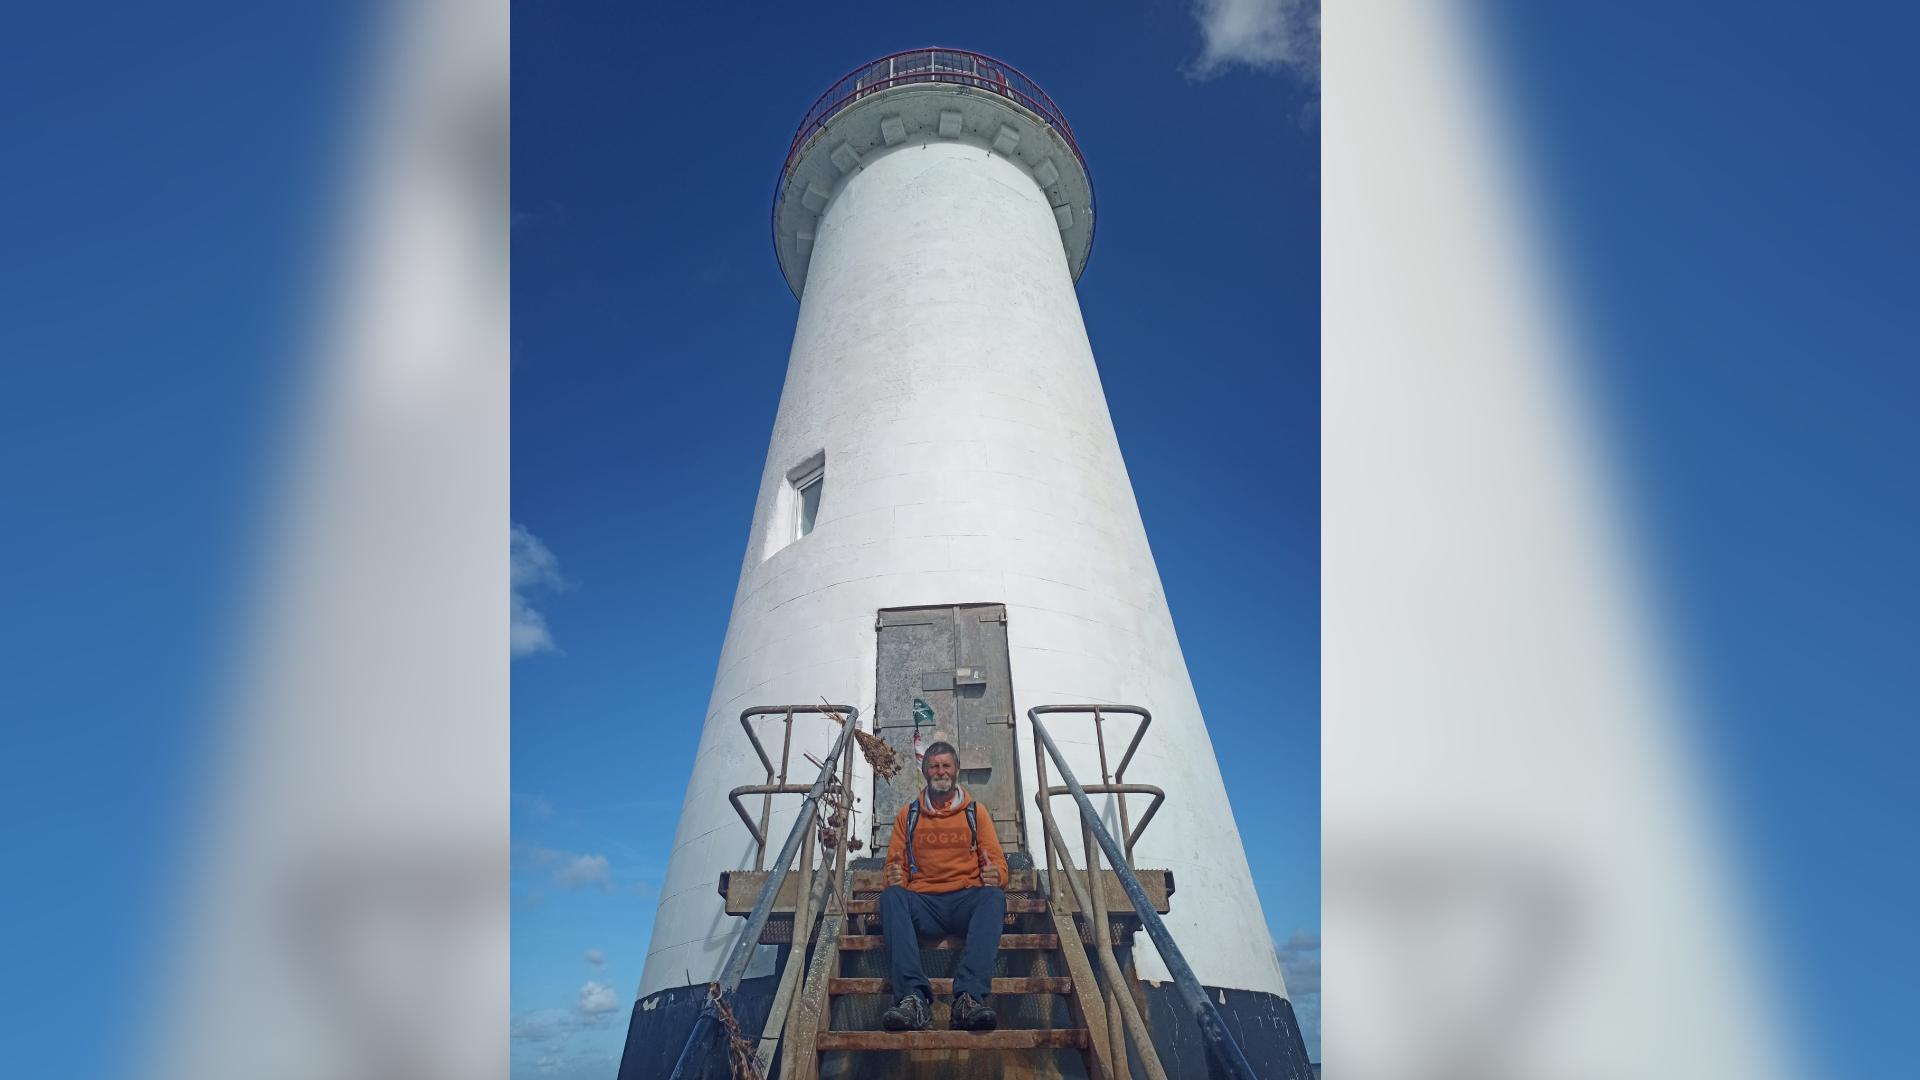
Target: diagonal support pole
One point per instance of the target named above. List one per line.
(693, 1053)
(1212, 1027)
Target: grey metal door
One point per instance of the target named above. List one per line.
(954, 661)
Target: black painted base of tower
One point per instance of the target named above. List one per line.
(1263, 1024)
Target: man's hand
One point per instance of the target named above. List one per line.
(989, 872)
(896, 874)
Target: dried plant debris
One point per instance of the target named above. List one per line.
(831, 829)
(739, 1050)
(886, 763)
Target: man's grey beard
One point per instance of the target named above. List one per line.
(941, 784)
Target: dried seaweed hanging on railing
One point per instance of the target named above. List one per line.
(739, 1050)
(842, 803)
(830, 830)
(886, 764)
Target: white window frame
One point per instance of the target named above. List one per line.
(815, 475)
(783, 519)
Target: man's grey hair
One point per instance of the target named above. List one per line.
(938, 748)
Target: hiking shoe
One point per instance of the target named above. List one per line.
(971, 1014)
(910, 1013)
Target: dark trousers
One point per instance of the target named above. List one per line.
(974, 913)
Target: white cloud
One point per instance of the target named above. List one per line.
(593, 1010)
(596, 998)
(537, 1026)
(572, 1064)
(596, 958)
(570, 870)
(534, 568)
(1299, 960)
(584, 870)
(532, 805)
(533, 563)
(530, 633)
(1265, 35)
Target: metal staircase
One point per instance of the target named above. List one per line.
(1043, 937)
(1064, 982)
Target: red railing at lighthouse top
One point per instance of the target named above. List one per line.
(953, 66)
(956, 67)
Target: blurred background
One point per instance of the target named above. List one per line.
(1615, 585)
(1616, 533)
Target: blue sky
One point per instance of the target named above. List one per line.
(651, 329)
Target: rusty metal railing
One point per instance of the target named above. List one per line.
(954, 67)
(959, 67)
(1091, 898)
(798, 841)
(1114, 782)
(776, 783)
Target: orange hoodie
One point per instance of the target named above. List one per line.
(942, 846)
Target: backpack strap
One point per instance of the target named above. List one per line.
(913, 822)
(973, 824)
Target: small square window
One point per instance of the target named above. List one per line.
(796, 503)
(808, 489)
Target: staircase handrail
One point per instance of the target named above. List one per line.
(1159, 796)
(1212, 1027)
(736, 965)
(1111, 981)
(1115, 782)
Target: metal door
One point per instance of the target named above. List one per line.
(954, 660)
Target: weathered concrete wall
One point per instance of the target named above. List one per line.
(941, 366)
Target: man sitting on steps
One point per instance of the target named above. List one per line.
(945, 875)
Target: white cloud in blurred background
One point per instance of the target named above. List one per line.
(1264, 35)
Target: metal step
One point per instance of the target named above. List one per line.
(1030, 1039)
(742, 889)
(1014, 904)
(872, 942)
(1031, 985)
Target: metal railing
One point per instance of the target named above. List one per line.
(1114, 782)
(1091, 898)
(956, 67)
(798, 841)
(776, 783)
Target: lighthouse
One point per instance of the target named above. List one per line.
(945, 534)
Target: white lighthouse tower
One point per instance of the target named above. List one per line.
(944, 515)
